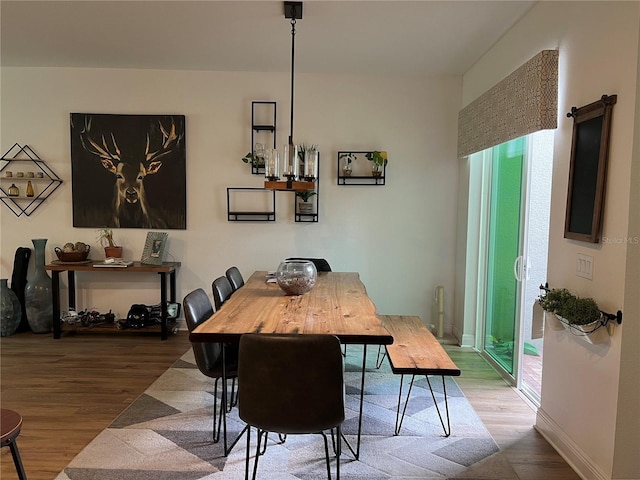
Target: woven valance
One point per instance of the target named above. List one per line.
(524, 102)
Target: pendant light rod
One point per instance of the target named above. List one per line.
(293, 11)
(293, 60)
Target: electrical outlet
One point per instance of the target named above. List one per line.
(584, 266)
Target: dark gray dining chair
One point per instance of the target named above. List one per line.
(222, 290)
(321, 264)
(291, 384)
(197, 309)
(235, 278)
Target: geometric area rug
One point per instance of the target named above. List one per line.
(165, 434)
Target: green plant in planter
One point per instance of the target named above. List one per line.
(579, 311)
(305, 195)
(379, 160)
(255, 160)
(573, 309)
(551, 300)
(105, 237)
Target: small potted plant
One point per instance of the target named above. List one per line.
(253, 159)
(378, 161)
(111, 250)
(256, 157)
(347, 158)
(305, 207)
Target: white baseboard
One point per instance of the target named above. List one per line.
(465, 340)
(567, 448)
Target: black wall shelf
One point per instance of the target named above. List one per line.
(263, 129)
(43, 186)
(360, 175)
(244, 214)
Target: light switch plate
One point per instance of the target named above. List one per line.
(584, 266)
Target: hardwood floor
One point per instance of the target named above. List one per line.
(69, 390)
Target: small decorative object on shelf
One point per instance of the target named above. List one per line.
(305, 207)
(347, 159)
(378, 162)
(257, 157)
(30, 192)
(296, 277)
(14, 191)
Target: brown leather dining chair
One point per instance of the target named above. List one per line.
(197, 309)
(235, 278)
(222, 290)
(291, 384)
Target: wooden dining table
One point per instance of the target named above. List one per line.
(337, 305)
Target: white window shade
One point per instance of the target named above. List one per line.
(524, 102)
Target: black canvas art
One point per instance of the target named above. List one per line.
(128, 171)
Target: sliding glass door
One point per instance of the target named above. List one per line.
(513, 240)
(503, 250)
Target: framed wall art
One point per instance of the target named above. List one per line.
(128, 171)
(588, 169)
(154, 248)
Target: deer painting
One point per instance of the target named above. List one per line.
(132, 157)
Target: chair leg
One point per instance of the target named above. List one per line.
(261, 434)
(326, 454)
(216, 433)
(246, 461)
(339, 451)
(15, 453)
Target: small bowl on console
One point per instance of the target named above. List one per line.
(71, 256)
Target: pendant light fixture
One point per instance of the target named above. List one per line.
(289, 160)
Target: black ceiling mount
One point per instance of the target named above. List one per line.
(293, 10)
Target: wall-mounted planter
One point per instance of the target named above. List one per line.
(560, 301)
(594, 332)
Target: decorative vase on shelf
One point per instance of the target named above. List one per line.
(10, 310)
(38, 293)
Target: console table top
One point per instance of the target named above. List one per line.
(166, 267)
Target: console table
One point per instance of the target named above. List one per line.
(167, 268)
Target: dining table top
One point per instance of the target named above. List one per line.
(338, 304)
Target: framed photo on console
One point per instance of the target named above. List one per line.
(154, 248)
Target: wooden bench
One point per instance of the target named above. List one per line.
(415, 351)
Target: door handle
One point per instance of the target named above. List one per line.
(517, 268)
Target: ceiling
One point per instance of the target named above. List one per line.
(358, 37)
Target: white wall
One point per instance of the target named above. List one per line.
(598, 45)
(400, 237)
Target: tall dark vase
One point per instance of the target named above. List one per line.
(37, 294)
(10, 310)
